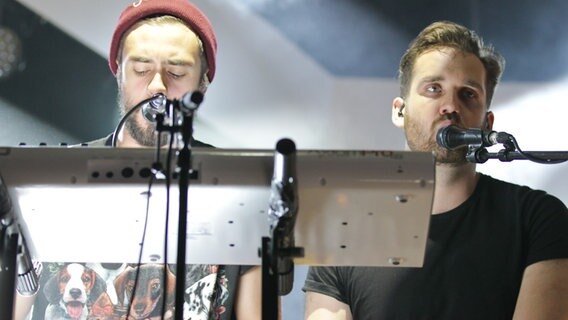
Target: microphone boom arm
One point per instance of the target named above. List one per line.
(479, 154)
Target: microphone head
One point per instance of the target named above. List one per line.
(442, 137)
(450, 137)
(286, 146)
(197, 97)
(190, 101)
(157, 105)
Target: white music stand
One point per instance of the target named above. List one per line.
(357, 208)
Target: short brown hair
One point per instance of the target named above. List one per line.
(449, 34)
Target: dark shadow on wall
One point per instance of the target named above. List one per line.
(61, 81)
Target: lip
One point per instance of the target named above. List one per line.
(445, 123)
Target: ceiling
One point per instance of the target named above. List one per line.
(348, 38)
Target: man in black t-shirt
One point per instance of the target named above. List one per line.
(495, 250)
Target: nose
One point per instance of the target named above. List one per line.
(75, 293)
(450, 105)
(139, 308)
(157, 85)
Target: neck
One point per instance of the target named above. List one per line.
(454, 185)
(126, 141)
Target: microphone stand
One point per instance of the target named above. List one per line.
(188, 109)
(278, 250)
(184, 165)
(18, 274)
(8, 254)
(184, 171)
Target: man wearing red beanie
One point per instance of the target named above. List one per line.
(165, 47)
(159, 47)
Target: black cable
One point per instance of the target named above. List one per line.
(155, 172)
(134, 287)
(534, 158)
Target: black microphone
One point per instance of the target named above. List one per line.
(453, 137)
(190, 101)
(154, 107)
(284, 185)
(283, 209)
(27, 281)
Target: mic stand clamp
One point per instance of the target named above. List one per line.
(503, 154)
(476, 153)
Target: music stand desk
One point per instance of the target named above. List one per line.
(357, 208)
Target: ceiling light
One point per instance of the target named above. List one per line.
(10, 52)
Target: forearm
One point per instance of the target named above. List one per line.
(544, 291)
(23, 305)
(322, 307)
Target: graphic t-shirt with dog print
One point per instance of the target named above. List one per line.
(104, 291)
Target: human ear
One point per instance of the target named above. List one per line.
(118, 74)
(489, 118)
(398, 112)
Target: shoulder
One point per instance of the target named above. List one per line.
(197, 143)
(102, 142)
(326, 276)
(521, 194)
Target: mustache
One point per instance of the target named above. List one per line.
(454, 116)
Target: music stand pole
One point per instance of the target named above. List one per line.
(269, 282)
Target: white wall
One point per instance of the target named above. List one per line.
(536, 115)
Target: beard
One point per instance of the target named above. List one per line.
(419, 139)
(142, 131)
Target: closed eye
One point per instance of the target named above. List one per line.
(141, 72)
(176, 75)
(141, 66)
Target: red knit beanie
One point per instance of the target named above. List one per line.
(182, 9)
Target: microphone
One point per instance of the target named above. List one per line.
(27, 282)
(27, 270)
(191, 101)
(453, 137)
(282, 211)
(157, 105)
(283, 188)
